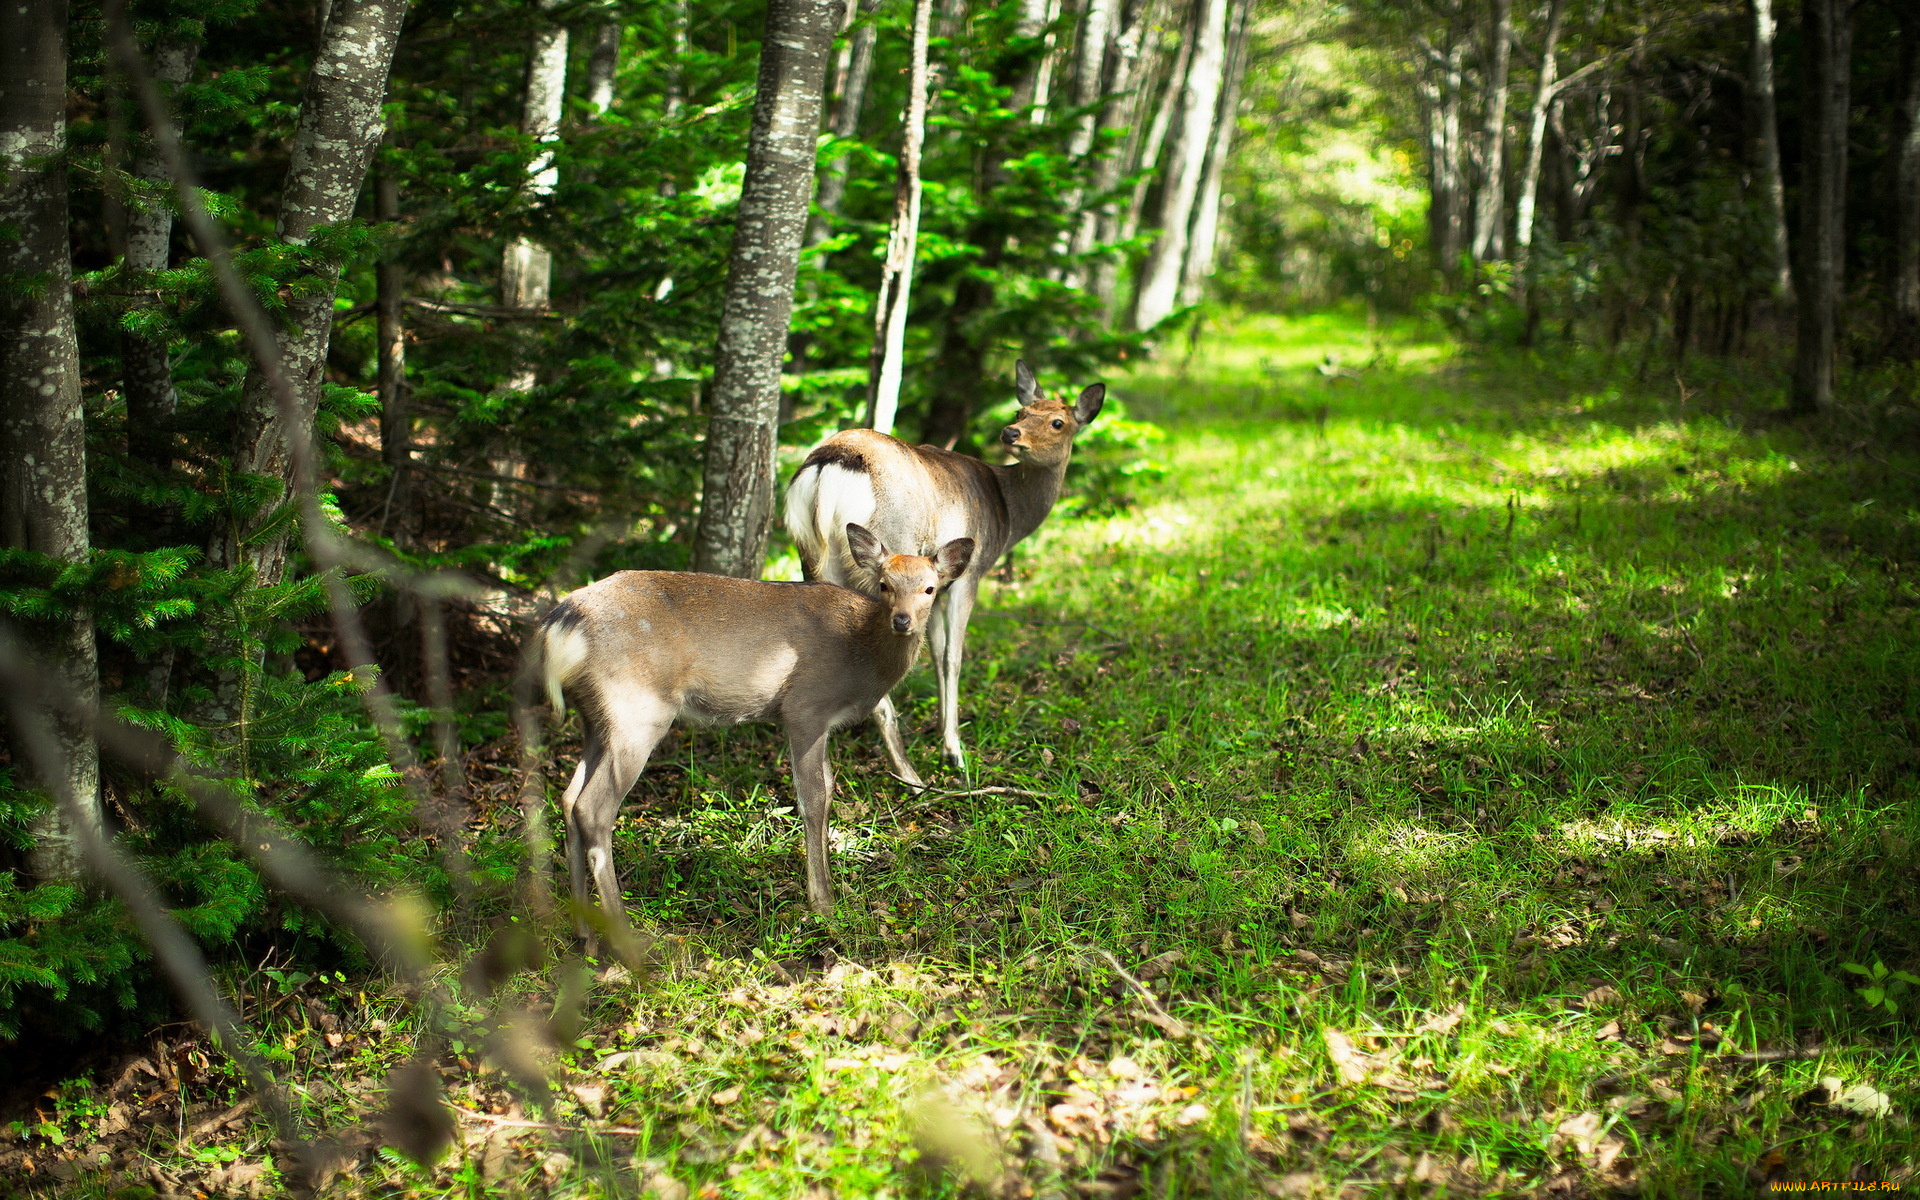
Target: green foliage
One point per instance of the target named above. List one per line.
(1885, 988)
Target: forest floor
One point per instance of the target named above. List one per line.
(1465, 775)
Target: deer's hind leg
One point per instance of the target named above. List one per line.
(623, 727)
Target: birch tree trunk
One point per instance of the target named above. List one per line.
(1442, 86)
(43, 457)
(1206, 216)
(1827, 38)
(1489, 216)
(1761, 113)
(896, 279)
(603, 66)
(1906, 200)
(1527, 202)
(145, 371)
(961, 361)
(1123, 80)
(1160, 275)
(850, 94)
(737, 497)
(340, 125)
(526, 269)
(1143, 156)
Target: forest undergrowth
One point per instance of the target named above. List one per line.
(1464, 774)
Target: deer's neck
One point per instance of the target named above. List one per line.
(1029, 492)
(893, 655)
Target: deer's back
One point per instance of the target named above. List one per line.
(913, 498)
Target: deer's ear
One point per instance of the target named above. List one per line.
(1087, 407)
(865, 548)
(952, 559)
(1024, 384)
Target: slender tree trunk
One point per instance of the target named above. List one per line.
(1906, 204)
(340, 125)
(961, 362)
(1122, 81)
(146, 372)
(1527, 202)
(43, 455)
(396, 420)
(850, 96)
(1827, 38)
(1206, 216)
(526, 269)
(1447, 216)
(737, 500)
(1766, 146)
(1489, 217)
(1049, 56)
(1142, 154)
(896, 279)
(603, 66)
(1089, 72)
(526, 266)
(1160, 275)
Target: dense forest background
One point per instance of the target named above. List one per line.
(489, 247)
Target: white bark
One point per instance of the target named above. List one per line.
(737, 496)
(526, 270)
(603, 66)
(43, 459)
(1206, 216)
(852, 73)
(1160, 276)
(1489, 217)
(1763, 113)
(146, 372)
(1527, 202)
(896, 280)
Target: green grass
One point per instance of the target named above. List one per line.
(1487, 766)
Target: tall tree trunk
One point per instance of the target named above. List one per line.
(526, 266)
(1442, 85)
(1186, 161)
(145, 371)
(1089, 72)
(1122, 82)
(850, 94)
(1906, 204)
(603, 66)
(737, 499)
(1043, 79)
(1527, 202)
(1827, 38)
(896, 278)
(340, 125)
(1206, 216)
(1120, 222)
(390, 341)
(1489, 216)
(961, 362)
(43, 455)
(526, 269)
(1761, 115)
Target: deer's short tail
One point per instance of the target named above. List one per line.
(824, 497)
(563, 651)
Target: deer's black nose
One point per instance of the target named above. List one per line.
(1010, 435)
(902, 622)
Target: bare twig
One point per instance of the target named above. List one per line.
(934, 800)
(518, 1123)
(1155, 1015)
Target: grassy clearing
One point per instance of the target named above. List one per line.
(1460, 777)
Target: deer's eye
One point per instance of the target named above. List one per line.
(929, 591)
(1059, 424)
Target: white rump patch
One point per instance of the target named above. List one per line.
(566, 653)
(822, 502)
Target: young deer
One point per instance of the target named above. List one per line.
(639, 648)
(917, 497)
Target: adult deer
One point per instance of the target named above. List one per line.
(640, 648)
(916, 498)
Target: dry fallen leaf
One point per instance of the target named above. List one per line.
(1610, 1032)
(726, 1096)
(1442, 1022)
(1348, 1061)
(1863, 1100)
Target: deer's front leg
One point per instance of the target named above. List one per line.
(813, 785)
(888, 720)
(948, 632)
